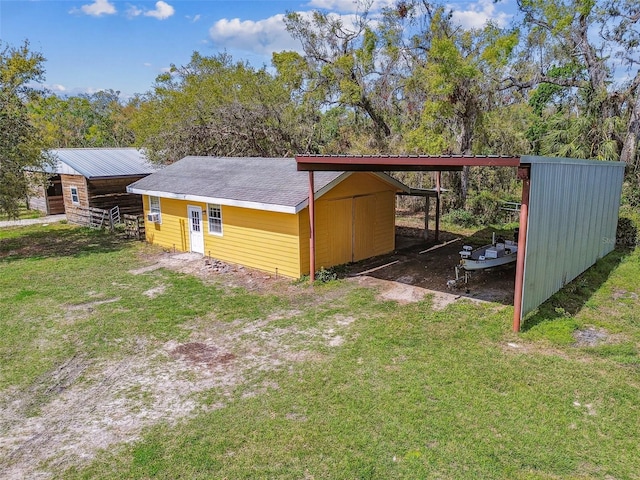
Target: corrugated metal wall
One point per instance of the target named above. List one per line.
(573, 214)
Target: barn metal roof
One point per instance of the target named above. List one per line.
(263, 183)
(102, 162)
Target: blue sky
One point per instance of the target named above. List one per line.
(92, 45)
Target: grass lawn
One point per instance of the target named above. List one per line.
(23, 214)
(328, 382)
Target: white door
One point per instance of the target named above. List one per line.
(196, 236)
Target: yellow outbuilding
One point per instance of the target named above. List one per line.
(254, 212)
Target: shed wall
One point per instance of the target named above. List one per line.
(354, 220)
(573, 215)
(259, 239)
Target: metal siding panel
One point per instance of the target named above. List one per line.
(573, 234)
(582, 222)
(573, 207)
(600, 201)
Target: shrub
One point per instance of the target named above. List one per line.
(485, 206)
(460, 217)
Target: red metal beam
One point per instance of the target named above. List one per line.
(400, 163)
(312, 229)
(523, 174)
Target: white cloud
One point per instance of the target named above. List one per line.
(263, 37)
(56, 87)
(195, 18)
(162, 12)
(479, 14)
(133, 11)
(96, 9)
(147, 64)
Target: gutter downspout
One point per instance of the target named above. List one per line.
(523, 174)
(312, 229)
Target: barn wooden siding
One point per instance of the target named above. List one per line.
(80, 183)
(573, 215)
(47, 197)
(103, 193)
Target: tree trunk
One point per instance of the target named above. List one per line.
(630, 145)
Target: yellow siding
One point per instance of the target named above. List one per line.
(258, 239)
(334, 232)
(385, 223)
(173, 232)
(263, 240)
(364, 223)
(303, 245)
(356, 184)
(355, 220)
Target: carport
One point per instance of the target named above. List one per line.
(568, 216)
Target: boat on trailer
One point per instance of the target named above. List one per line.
(498, 252)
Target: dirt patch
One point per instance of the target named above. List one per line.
(405, 293)
(209, 270)
(85, 405)
(432, 271)
(203, 354)
(590, 337)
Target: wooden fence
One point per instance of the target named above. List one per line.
(89, 217)
(134, 226)
(99, 218)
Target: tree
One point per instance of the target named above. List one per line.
(21, 145)
(95, 120)
(457, 72)
(215, 106)
(579, 49)
(346, 64)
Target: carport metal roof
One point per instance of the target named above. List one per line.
(568, 195)
(389, 163)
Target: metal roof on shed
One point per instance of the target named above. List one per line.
(102, 162)
(263, 183)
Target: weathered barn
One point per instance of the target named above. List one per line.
(93, 177)
(254, 212)
(568, 217)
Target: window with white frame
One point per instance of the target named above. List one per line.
(215, 219)
(154, 207)
(75, 198)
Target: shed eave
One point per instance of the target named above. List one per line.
(269, 207)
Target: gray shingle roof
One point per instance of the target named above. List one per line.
(271, 181)
(102, 162)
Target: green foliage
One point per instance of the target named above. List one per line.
(485, 207)
(216, 106)
(460, 217)
(96, 120)
(20, 141)
(325, 275)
